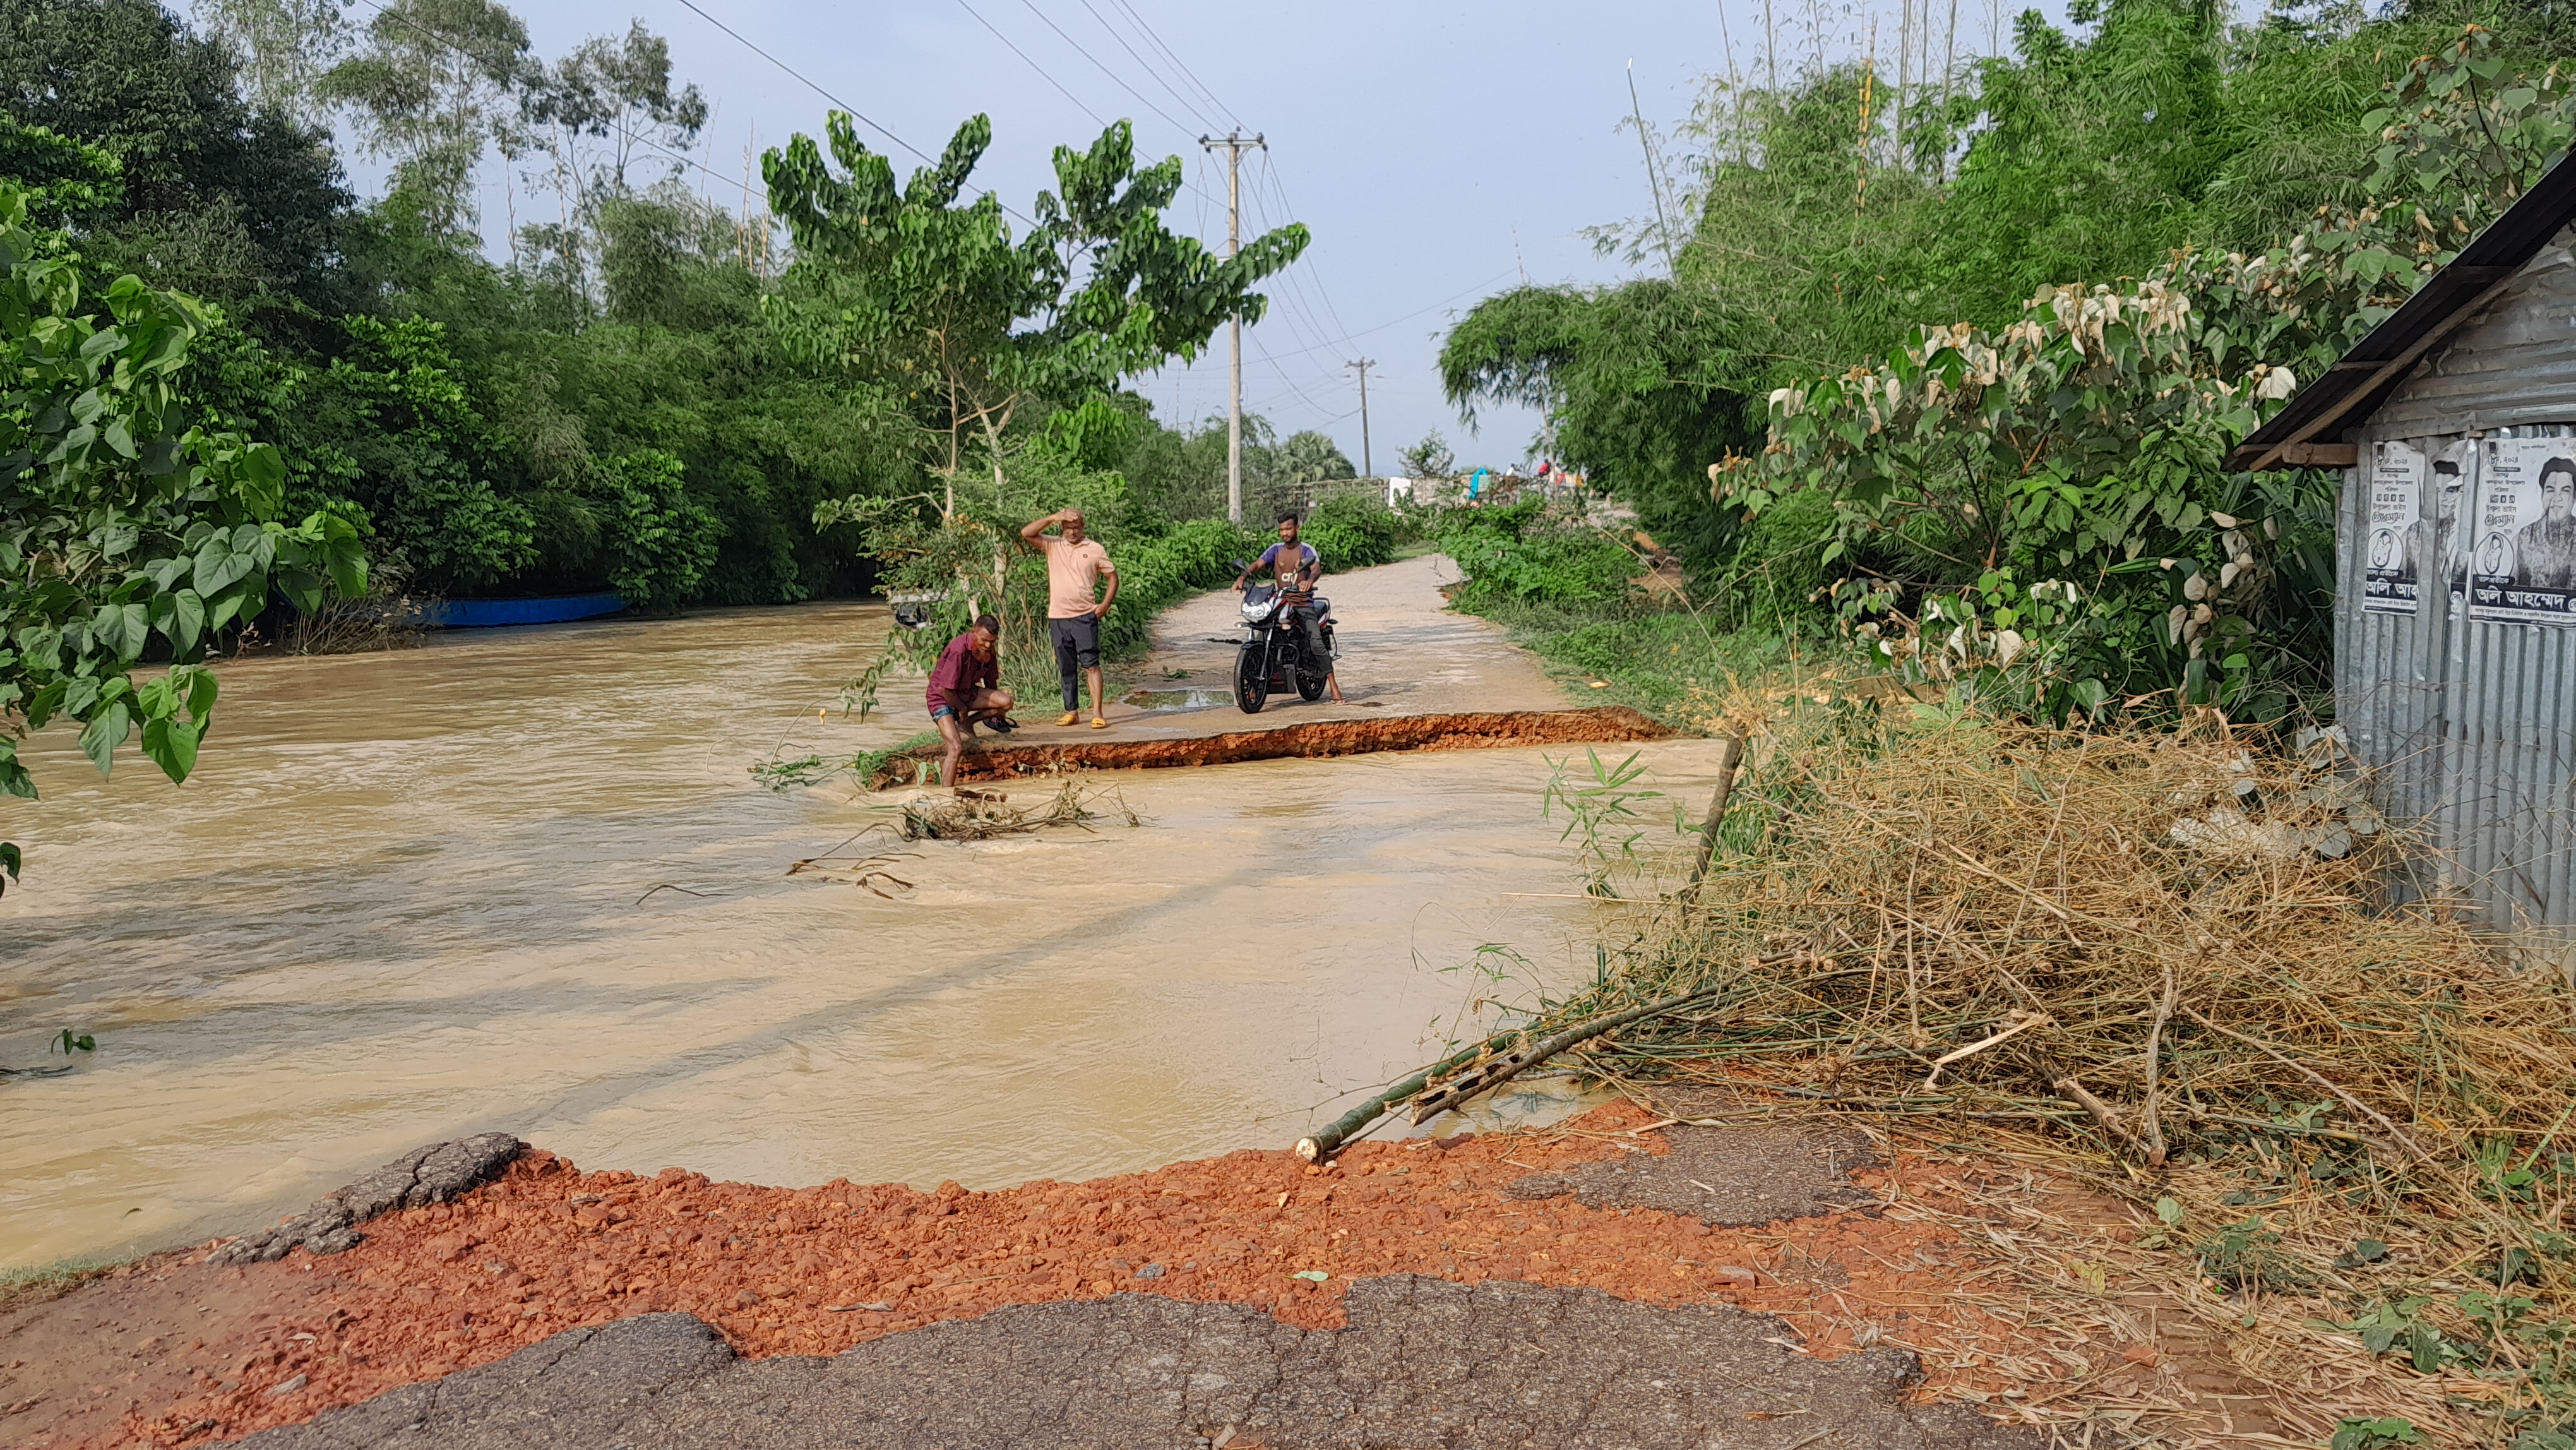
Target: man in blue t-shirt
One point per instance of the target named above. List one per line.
(1298, 569)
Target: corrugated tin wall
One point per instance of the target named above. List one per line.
(2471, 724)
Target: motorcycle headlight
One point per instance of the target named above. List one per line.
(1255, 608)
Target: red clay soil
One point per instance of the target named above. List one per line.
(173, 1352)
(1603, 725)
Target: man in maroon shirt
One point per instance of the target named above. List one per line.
(965, 689)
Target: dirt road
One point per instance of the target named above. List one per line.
(1412, 675)
(1403, 653)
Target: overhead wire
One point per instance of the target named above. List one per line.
(1150, 69)
(1156, 40)
(1119, 80)
(855, 112)
(1033, 65)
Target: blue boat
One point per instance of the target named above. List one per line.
(492, 613)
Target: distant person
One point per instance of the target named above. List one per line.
(2545, 550)
(1297, 569)
(965, 691)
(1075, 565)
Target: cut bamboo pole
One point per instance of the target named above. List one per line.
(1729, 755)
(1321, 1146)
(1493, 1073)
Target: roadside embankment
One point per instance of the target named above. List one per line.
(1847, 1245)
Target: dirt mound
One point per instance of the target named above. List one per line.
(1318, 739)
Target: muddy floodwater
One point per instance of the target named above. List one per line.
(410, 896)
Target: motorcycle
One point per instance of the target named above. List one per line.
(1274, 655)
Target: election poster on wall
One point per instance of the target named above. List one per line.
(2523, 562)
(2392, 573)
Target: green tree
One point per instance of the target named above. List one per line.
(2044, 511)
(124, 527)
(219, 198)
(1311, 457)
(936, 305)
(940, 305)
(1639, 384)
(1430, 458)
(434, 83)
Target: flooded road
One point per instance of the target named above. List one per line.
(400, 902)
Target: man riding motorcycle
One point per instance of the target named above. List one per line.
(1298, 569)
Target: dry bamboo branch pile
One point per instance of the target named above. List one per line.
(2044, 920)
(2142, 944)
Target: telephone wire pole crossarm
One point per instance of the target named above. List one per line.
(1235, 144)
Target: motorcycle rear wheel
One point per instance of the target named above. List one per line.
(1310, 684)
(1251, 680)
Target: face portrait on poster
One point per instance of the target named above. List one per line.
(2398, 559)
(2524, 560)
(2446, 537)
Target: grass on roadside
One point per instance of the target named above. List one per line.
(1669, 663)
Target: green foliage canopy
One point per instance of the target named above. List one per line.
(938, 303)
(123, 525)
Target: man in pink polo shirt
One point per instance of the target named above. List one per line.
(1075, 566)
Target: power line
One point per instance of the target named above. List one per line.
(1033, 65)
(1279, 183)
(854, 111)
(1157, 42)
(1417, 312)
(1104, 70)
(1168, 88)
(926, 158)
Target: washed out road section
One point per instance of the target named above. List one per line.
(411, 897)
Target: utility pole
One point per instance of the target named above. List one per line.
(1235, 144)
(1367, 468)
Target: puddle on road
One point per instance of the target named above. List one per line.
(1176, 699)
(400, 902)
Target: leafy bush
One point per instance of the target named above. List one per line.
(660, 540)
(1156, 573)
(1522, 552)
(1351, 531)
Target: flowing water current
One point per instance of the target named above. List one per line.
(412, 895)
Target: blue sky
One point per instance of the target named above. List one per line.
(1438, 151)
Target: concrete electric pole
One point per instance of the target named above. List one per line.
(1235, 144)
(1367, 468)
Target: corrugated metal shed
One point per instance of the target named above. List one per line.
(2462, 700)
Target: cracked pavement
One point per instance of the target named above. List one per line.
(1424, 1363)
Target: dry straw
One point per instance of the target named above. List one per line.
(2176, 959)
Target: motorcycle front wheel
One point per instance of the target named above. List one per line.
(1252, 679)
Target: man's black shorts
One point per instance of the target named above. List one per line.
(1077, 642)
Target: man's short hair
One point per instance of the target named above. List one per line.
(1286, 516)
(988, 622)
